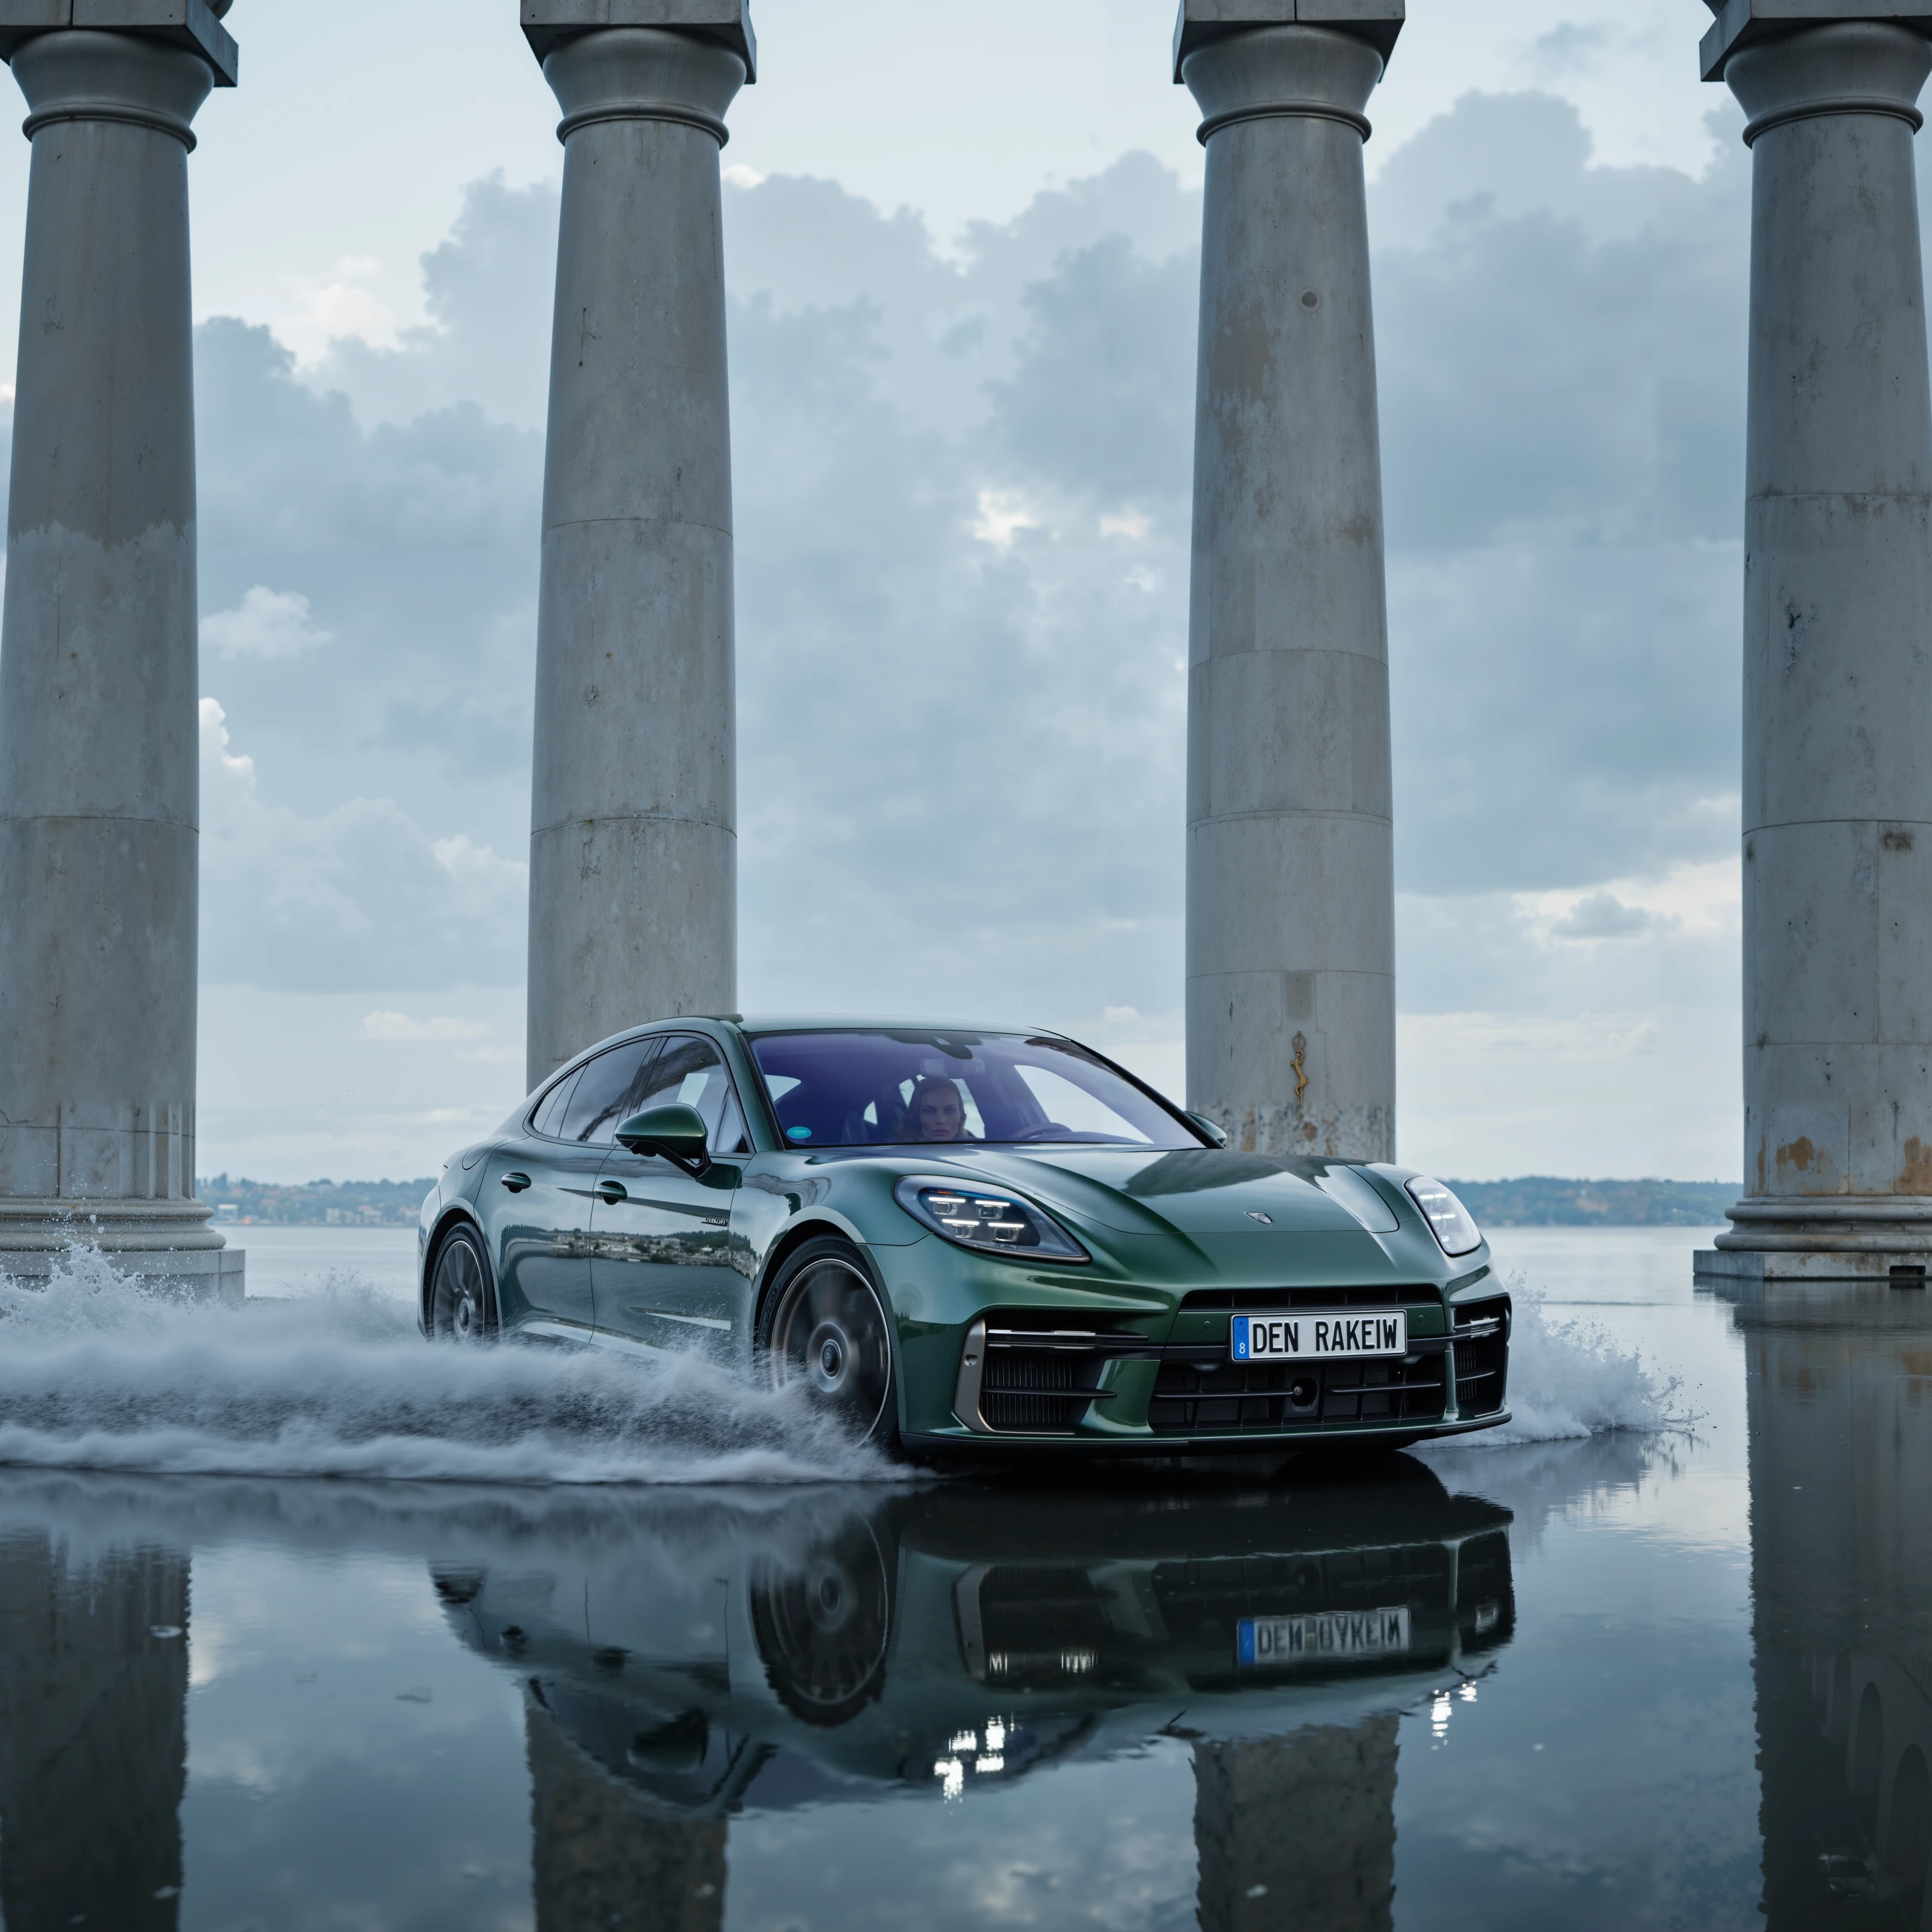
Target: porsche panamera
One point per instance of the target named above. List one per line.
(961, 1239)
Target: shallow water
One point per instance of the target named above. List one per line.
(646, 1653)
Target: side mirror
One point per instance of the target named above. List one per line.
(676, 1131)
(1212, 1130)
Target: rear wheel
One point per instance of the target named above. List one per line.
(826, 1327)
(461, 1306)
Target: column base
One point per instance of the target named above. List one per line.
(164, 1244)
(1753, 1267)
(1885, 1237)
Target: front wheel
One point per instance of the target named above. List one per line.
(461, 1307)
(827, 1328)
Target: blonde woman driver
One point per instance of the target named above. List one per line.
(934, 1112)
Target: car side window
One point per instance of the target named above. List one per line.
(691, 1070)
(608, 1090)
(548, 1118)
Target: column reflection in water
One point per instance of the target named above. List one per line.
(1298, 1831)
(687, 1661)
(93, 1735)
(1840, 1393)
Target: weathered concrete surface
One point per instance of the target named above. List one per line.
(633, 837)
(1290, 901)
(98, 755)
(1739, 1267)
(1837, 661)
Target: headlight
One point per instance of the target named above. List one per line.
(1452, 1224)
(988, 1219)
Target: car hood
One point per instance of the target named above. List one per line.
(1195, 1192)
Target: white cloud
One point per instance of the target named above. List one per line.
(268, 624)
(343, 303)
(443, 1029)
(1704, 901)
(1602, 916)
(1002, 514)
(355, 895)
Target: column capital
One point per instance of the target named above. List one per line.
(82, 74)
(1201, 22)
(1742, 23)
(1834, 68)
(195, 25)
(548, 24)
(1300, 72)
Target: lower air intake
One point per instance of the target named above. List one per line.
(1481, 1330)
(1210, 1398)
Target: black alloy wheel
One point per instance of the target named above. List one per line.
(461, 1306)
(827, 1328)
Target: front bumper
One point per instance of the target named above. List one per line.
(961, 1446)
(1078, 1379)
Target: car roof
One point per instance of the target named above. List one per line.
(872, 1023)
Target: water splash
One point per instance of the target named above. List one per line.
(1570, 1380)
(97, 1372)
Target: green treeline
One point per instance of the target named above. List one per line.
(1542, 1201)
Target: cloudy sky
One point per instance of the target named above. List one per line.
(962, 256)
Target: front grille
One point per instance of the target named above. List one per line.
(1043, 1369)
(1203, 1397)
(1234, 1299)
(1481, 1330)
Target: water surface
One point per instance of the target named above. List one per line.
(1643, 1678)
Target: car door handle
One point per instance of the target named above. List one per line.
(516, 1183)
(611, 1192)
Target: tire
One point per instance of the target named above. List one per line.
(462, 1301)
(825, 1324)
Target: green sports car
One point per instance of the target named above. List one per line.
(960, 1239)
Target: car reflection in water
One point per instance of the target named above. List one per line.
(1839, 1385)
(698, 1656)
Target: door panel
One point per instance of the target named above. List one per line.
(663, 1262)
(540, 1233)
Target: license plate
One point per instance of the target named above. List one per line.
(1306, 1336)
(1260, 1642)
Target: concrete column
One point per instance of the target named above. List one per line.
(634, 790)
(1290, 893)
(98, 764)
(1837, 658)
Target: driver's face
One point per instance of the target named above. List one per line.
(940, 1115)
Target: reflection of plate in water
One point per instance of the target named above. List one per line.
(1263, 1643)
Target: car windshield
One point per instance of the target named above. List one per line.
(889, 1086)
